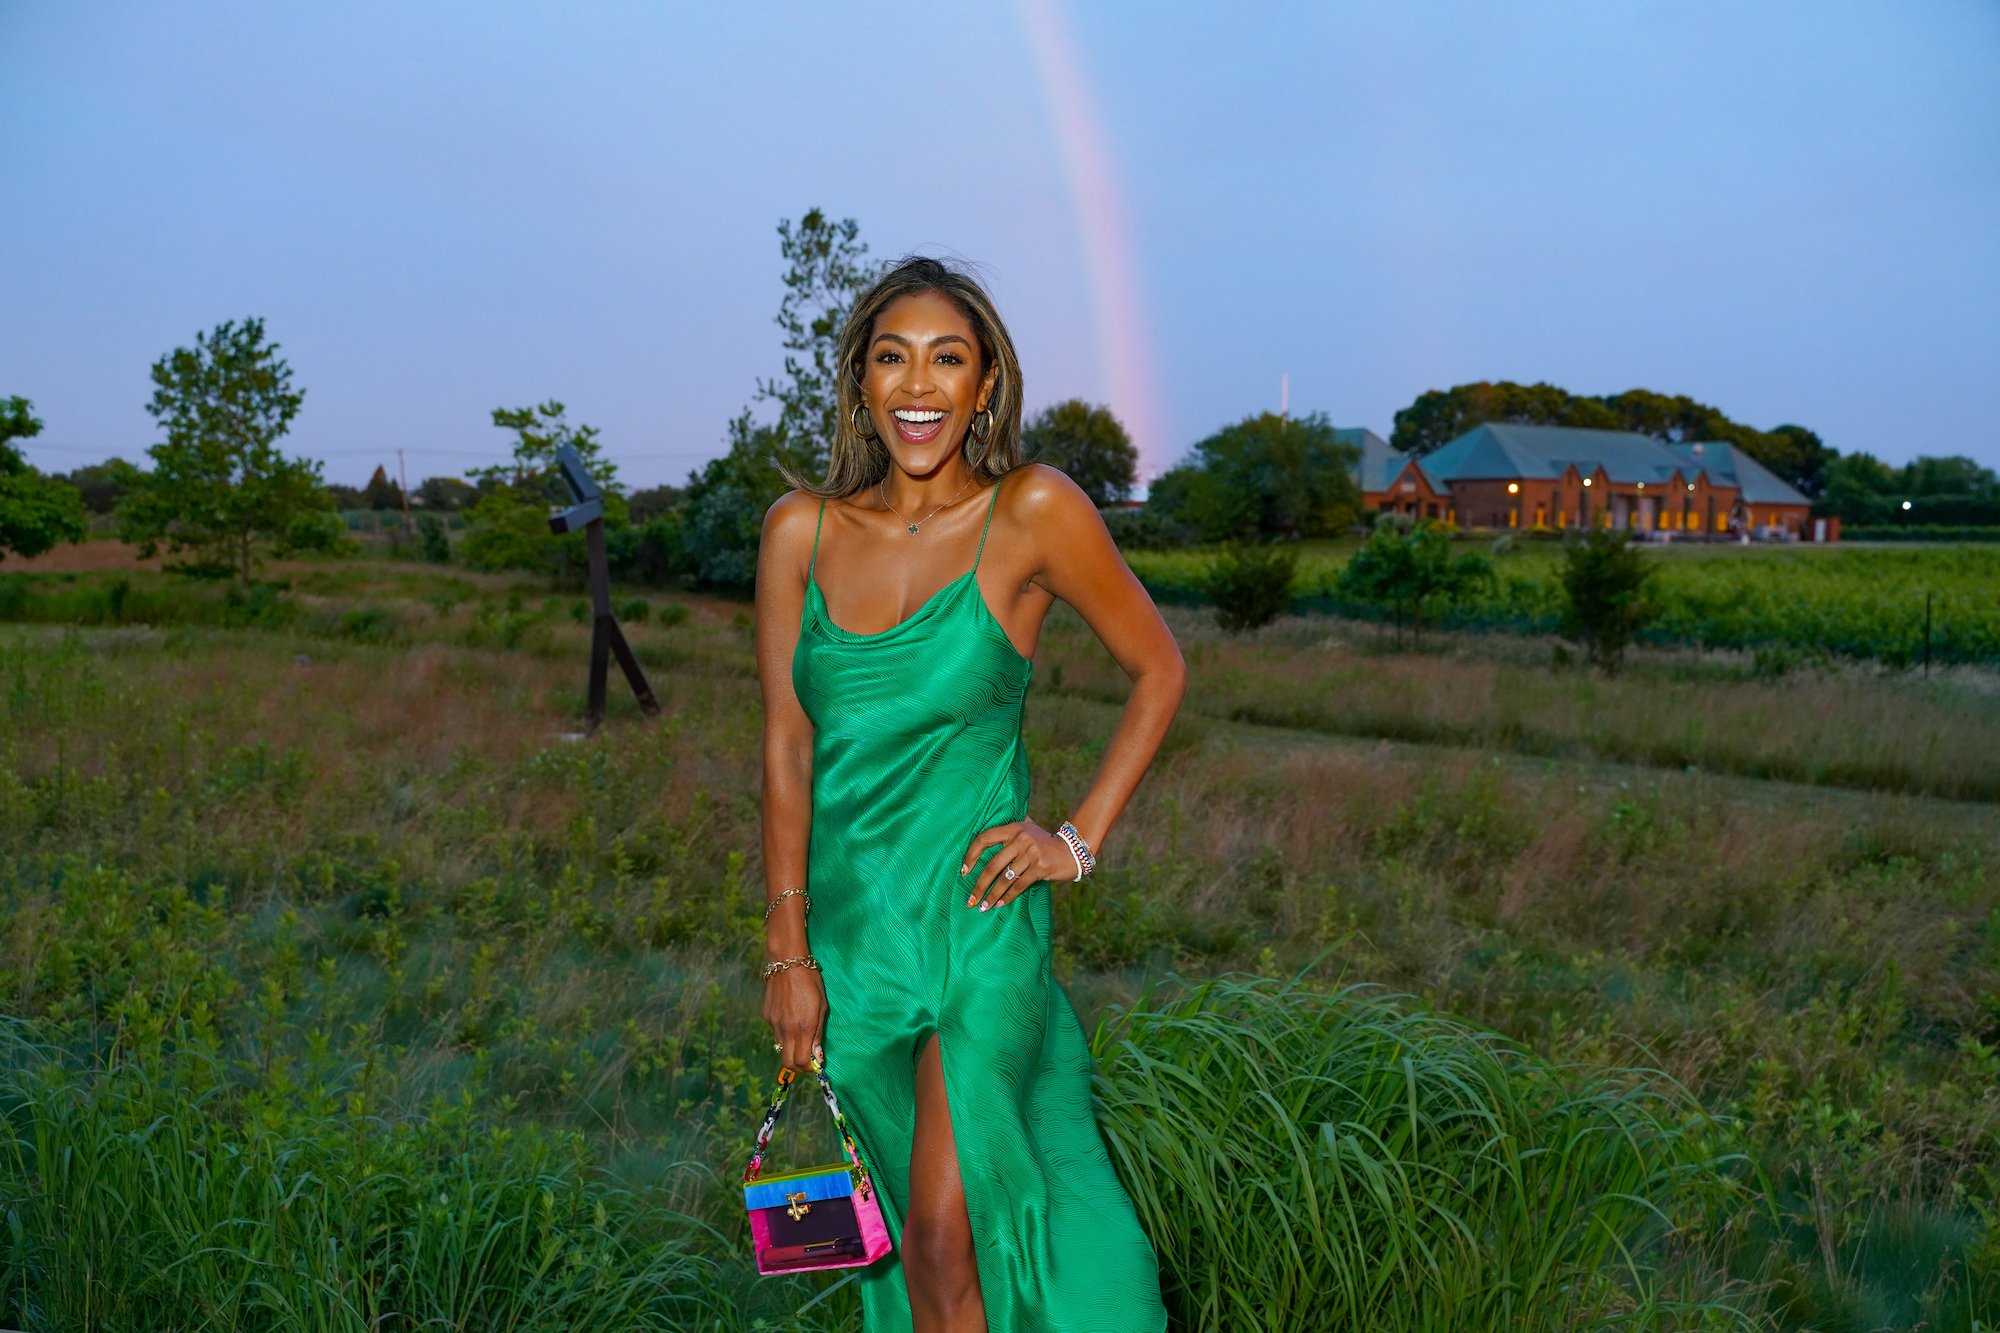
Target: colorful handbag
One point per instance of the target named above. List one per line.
(819, 1217)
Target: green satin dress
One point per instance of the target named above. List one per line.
(917, 746)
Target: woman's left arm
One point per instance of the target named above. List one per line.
(1077, 561)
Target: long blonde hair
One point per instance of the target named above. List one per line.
(855, 461)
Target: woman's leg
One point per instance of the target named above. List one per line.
(938, 1262)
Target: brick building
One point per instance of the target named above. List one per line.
(1506, 476)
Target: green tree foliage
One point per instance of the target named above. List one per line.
(1411, 572)
(36, 512)
(722, 512)
(380, 492)
(443, 495)
(653, 502)
(219, 487)
(1953, 491)
(1087, 443)
(101, 484)
(435, 541)
(1607, 594)
(1793, 453)
(1265, 476)
(1250, 583)
(508, 526)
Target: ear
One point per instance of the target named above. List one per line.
(986, 387)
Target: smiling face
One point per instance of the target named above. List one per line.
(921, 379)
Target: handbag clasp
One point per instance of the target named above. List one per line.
(799, 1207)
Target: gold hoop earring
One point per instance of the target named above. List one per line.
(982, 435)
(859, 415)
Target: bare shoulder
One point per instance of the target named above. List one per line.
(1047, 500)
(789, 524)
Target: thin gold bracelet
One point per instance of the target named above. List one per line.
(772, 906)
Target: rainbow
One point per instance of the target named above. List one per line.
(1123, 348)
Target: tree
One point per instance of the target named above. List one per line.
(36, 512)
(219, 486)
(1266, 476)
(1798, 455)
(380, 492)
(725, 500)
(101, 483)
(1411, 572)
(1442, 415)
(1088, 444)
(653, 502)
(1606, 594)
(443, 495)
(508, 526)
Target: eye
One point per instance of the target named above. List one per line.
(951, 357)
(883, 358)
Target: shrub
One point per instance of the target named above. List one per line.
(436, 540)
(1606, 597)
(1251, 583)
(653, 553)
(1145, 530)
(1411, 572)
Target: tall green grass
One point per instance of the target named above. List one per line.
(161, 1190)
(1309, 1159)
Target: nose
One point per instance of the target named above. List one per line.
(917, 379)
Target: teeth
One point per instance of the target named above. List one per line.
(917, 416)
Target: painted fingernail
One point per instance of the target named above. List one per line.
(963, 868)
(973, 899)
(984, 906)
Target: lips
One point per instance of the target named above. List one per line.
(917, 425)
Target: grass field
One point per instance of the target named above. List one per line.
(346, 991)
(1855, 601)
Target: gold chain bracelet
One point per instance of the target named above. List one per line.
(772, 906)
(806, 960)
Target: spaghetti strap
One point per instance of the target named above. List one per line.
(811, 565)
(990, 502)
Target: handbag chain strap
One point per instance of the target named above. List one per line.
(839, 1122)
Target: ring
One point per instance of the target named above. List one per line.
(777, 1046)
(1011, 873)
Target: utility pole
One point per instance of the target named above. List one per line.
(1285, 394)
(403, 481)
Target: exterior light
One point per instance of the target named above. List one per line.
(1514, 486)
(1642, 485)
(1586, 481)
(1906, 504)
(1690, 485)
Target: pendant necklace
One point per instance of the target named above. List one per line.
(908, 526)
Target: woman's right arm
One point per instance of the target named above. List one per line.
(794, 999)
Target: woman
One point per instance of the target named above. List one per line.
(898, 606)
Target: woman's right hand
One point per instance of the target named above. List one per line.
(795, 1007)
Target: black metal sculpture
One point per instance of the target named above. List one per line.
(605, 636)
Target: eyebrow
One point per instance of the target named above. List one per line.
(938, 341)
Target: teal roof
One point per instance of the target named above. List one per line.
(1726, 463)
(1379, 463)
(1498, 450)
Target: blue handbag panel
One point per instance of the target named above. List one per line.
(836, 1184)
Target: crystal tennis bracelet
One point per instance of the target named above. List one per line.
(1078, 848)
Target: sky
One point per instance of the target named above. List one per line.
(1788, 210)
